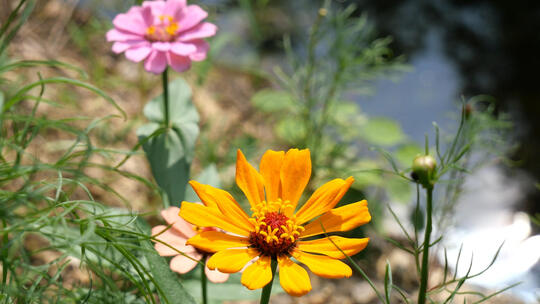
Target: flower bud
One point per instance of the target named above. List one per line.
(423, 170)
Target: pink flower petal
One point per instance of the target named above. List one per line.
(215, 276)
(183, 49)
(119, 47)
(170, 215)
(183, 264)
(138, 54)
(119, 35)
(133, 21)
(202, 30)
(169, 235)
(173, 7)
(156, 7)
(156, 62)
(164, 250)
(172, 238)
(190, 16)
(201, 50)
(178, 63)
(161, 46)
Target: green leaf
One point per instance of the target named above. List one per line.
(170, 153)
(399, 189)
(172, 290)
(20, 95)
(291, 130)
(366, 173)
(406, 153)
(382, 131)
(1, 102)
(268, 100)
(348, 118)
(229, 291)
(168, 161)
(209, 176)
(388, 282)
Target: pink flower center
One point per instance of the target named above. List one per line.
(164, 31)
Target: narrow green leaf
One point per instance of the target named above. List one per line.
(173, 291)
(388, 282)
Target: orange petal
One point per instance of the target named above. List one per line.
(249, 180)
(293, 278)
(205, 199)
(323, 266)
(258, 274)
(224, 202)
(295, 174)
(324, 246)
(323, 199)
(343, 218)
(270, 168)
(231, 260)
(213, 241)
(203, 216)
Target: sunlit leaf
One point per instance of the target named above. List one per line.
(291, 129)
(268, 100)
(382, 131)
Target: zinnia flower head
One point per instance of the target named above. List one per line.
(274, 231)
(162, 33)
(176, 237)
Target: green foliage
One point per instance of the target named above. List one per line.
(478, 130)
(310, 111)
(382, 131)
(51, 226)
(229, 291)
(170, 150)
(268, 100)
(171, 289)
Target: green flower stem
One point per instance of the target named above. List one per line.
(267, 290)
(204, 283)
(166, 95)
(425, 255)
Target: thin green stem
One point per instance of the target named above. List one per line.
(204, 283)
(166, 95)
(267, 290)
(425, 254)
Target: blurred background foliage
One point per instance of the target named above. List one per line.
(279, 74)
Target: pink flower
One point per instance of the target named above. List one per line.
(176, 237)
(162, 33)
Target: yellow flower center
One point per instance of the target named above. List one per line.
(164, 31)
(275, 233)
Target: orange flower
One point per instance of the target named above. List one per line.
(274, 231)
